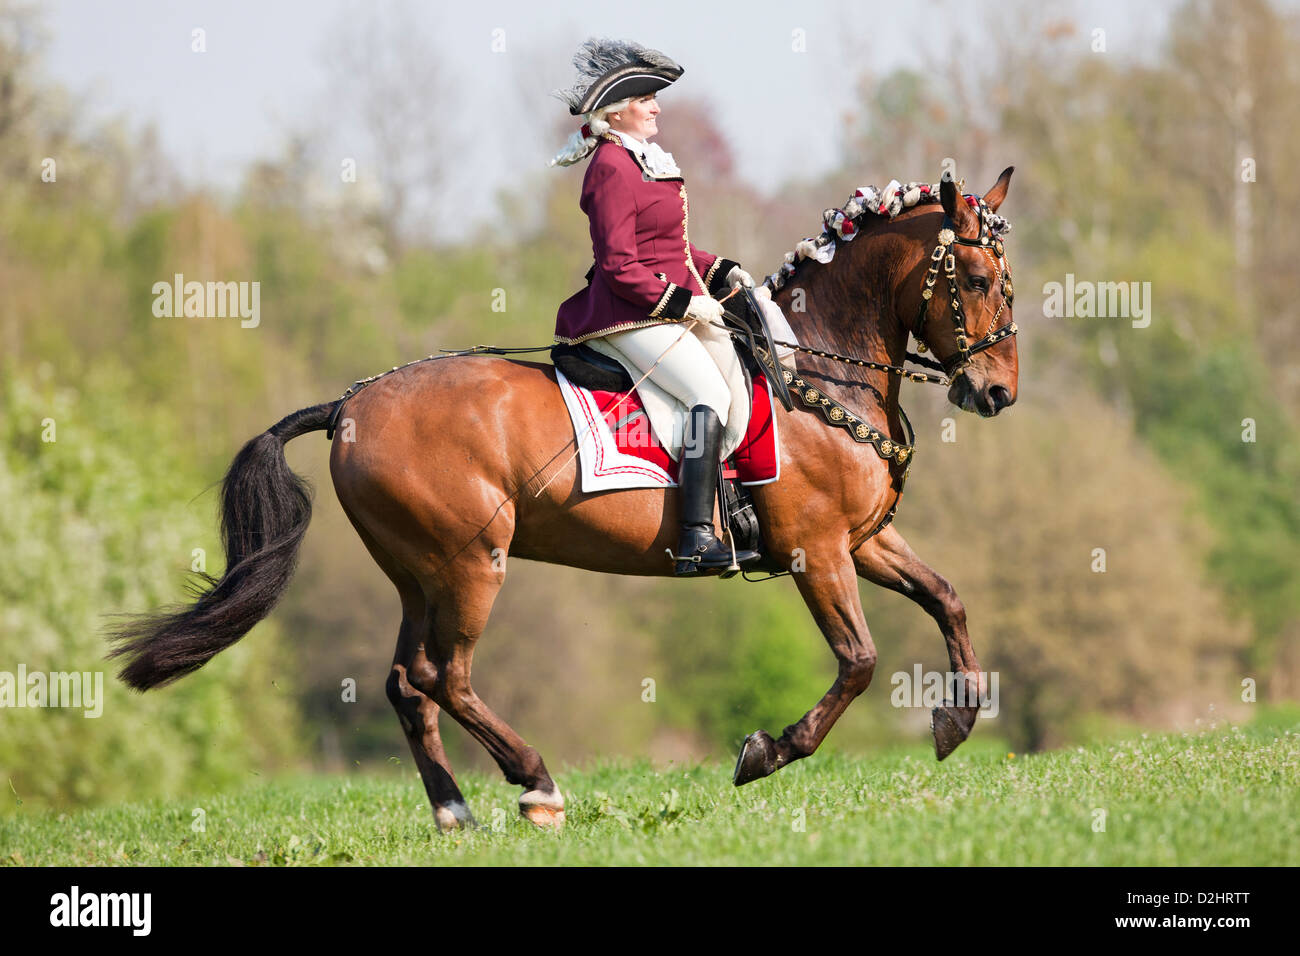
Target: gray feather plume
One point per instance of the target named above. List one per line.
(598, 55)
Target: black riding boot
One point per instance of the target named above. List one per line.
(697, 478)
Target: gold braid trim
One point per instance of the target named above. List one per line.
(621, 327)
(663, 300)
(708, 276)
(686, 242)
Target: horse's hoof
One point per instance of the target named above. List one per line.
(543, 809)
(453, 816)
(950, 726)
(757, 758)
(544, 818)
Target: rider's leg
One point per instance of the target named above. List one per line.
(689, 373)
(686, 370)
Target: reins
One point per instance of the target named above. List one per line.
(833, 413)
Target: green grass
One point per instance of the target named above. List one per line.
(1226, 795)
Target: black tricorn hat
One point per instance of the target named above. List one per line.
(612, 70)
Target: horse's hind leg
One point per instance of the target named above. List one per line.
(460, 618)
(887, 560)
(416, 710)
(418, 714)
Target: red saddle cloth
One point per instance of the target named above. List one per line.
(639, 460)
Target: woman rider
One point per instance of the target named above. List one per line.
(648, 277)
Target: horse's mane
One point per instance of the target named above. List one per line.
(865, 207)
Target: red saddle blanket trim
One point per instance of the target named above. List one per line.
(755, 460)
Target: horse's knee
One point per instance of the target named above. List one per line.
(943, 604)
(954, 611)
(857, 669)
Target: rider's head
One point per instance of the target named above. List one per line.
(607, 69)
(635, 116)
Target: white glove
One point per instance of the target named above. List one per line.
(705, 308)
(738, 276)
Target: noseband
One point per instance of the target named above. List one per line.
(991, 244)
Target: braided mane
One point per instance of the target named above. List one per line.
(843, 224)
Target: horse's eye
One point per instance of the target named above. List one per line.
(979, 283)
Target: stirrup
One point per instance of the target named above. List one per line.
(710, 554)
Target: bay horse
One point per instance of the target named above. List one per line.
(451, 464)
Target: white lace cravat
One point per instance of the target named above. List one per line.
(659, 162)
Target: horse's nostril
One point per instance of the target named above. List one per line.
(1000, 397)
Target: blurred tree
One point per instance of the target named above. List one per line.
(385, 77)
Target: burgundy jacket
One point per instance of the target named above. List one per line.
(640, 243)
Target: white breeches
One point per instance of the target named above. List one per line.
(687, 372)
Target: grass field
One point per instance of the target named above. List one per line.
(1227, 795)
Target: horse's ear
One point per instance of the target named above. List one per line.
(955, 206)
(998, 193)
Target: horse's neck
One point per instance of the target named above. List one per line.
(849, 309)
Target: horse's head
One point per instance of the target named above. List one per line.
(964, 313)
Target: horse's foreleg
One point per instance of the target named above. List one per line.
(418, 715)
(459, 621)
(830, 589)
(887, 560)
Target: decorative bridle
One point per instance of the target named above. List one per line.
(990, 242)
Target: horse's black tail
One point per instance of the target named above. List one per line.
(265, 510)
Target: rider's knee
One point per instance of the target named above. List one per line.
(712, 390)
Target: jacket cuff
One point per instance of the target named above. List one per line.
(716, 277)
(673, 303)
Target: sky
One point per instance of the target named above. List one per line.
(266, 71)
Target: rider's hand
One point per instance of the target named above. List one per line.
(738, 276)
(704, 307)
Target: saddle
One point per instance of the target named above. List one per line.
(585, 366)
(588, 368)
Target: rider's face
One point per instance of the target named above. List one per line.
(637, 118)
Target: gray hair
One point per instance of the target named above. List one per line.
(579, 146)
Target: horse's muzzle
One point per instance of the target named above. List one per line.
(985, 401)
